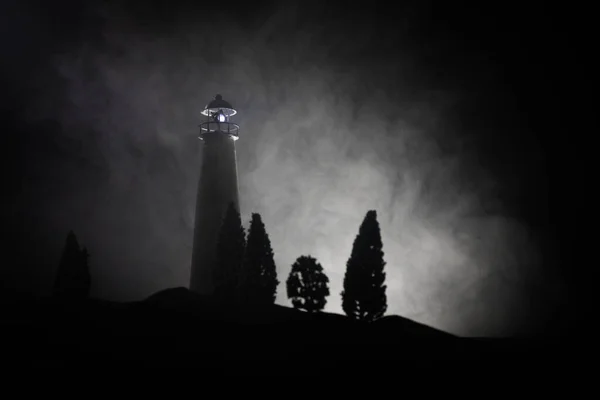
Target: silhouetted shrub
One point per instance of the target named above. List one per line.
(229, 255)
(73, 280)
(307, 284)
(259, 275)
(364, 294)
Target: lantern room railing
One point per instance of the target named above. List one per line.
(223, 127)
(218, 121)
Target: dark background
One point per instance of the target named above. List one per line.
(517, 68)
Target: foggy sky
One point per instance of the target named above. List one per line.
(330, 128)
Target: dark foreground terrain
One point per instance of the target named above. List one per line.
(176, 328)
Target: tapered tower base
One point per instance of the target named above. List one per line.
(217, 187)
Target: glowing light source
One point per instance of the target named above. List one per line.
(219, 116)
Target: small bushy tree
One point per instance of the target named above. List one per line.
(364, 294)
(229, 255)
(259, 274)
(73, 280)
(307, 285)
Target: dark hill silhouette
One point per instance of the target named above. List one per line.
(407, 327)
(176, 328)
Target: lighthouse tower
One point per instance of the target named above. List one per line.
(217, 188)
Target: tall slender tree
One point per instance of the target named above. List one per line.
(259, 274)
(364, 295)
(73, 280)
(229, 255)
(307, 284)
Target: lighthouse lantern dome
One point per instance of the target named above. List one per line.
(218, 113)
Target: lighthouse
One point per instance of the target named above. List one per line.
(217, 188)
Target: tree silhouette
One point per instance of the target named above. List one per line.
(229, 255)
(259, 274)
(364, 294)
(307, 284)
(73, 280)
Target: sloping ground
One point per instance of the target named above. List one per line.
(177, 328)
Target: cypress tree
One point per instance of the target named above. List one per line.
(229, 255)
(364, 294)
(73, 279)
(307, 285)
(259, 274)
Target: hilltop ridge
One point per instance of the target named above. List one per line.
(176, 327)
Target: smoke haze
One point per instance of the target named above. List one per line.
(329, 130)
